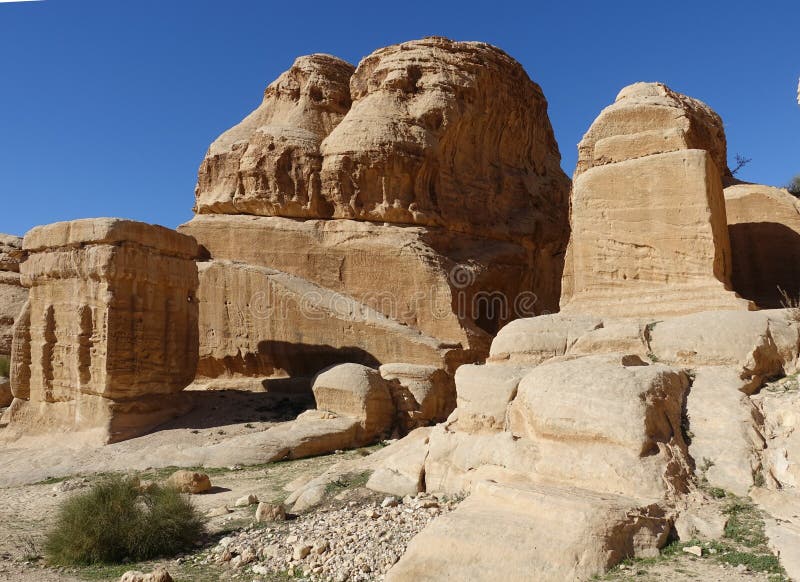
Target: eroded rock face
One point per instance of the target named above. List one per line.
(111, 328)
(269, 164)
(649, 233)
(12, 294)
(764, 228)
(427, 141)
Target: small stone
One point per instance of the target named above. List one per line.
(218, 511)
(246, 500)
(300, 551)
(321, 547)
(269, 512)
(694, 550)
(190, 482)
(389, 502)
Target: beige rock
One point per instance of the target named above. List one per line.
(112, 334)
(532, 532)
(11, 253)
(537, 339)
(764, 228)
(604, 425)
(255, 321)
(190, 482)
(401, 466)
(246, 500)
(454, 287)
(423, 394)
(267, 512)
(20, 372)
(739, 340)
(724, 440)
(780, 412)
(426, 142)
(700, 521)
(484, 393)
(358, 392)
(615, 337)
(782, 526)
(649, 238)
(269, 164)
(651, 118)
(157, 575)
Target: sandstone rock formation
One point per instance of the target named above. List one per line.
(12, 294)
(109, 335)
(649, 232)
(764, 227)
(269, 164)
(442, 176)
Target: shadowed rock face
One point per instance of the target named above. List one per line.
(269, 164)
(451, 134)
(12, 294)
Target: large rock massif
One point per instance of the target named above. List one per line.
(649, 231)
(109, 332)
(428, 224)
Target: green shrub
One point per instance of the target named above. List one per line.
(5, 366)
(115, 520)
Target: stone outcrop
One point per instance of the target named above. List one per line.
(109, 335)
(429, 184)
(764, 227)
(12, 293)
(269, 164)
(649, 233)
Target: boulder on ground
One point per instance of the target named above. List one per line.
(606, 423)
(157, 575)
(423, 394)
(533, 340)
(190, 482)
(533, 532)
(401, 466)
(484, 393)
(267, 512)
(358, 392)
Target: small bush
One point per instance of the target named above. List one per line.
(5, 366)
(115, 520)
(794, 186)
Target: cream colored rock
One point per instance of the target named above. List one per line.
(358, 392)
(458, 288)
(267, 512)
(780, 411)
(269, 164)
(534, 340)
(651, 118)
(157, 575)
(725, 442)
(190, 482)
(423, 394)
(401, 468)
(11, 253)
(256, 321)
(649, 238)
(426, 141)
(604, 425)
(532, 532)
(484, 393)
(764, 228)
(110, 334)
(615, 337)
(740, 340)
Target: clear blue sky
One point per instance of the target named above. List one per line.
(107, 106)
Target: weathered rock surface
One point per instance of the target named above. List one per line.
(650, 118)
(12, 294)
(764, 228)
(256, 321)
(427, 142)
(649, 233)
(422, 394)
(358, 392)
(504, 532)
(534, 340)
(5, 392)
(111, 331)
(269, 164)
(190, 482)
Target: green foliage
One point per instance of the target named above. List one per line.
(348, 481)
(5, 366)
(116, 520)
(794, 186)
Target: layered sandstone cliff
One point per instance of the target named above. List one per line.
(12, 293)
(423, 186)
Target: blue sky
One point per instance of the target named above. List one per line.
(107, 106)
